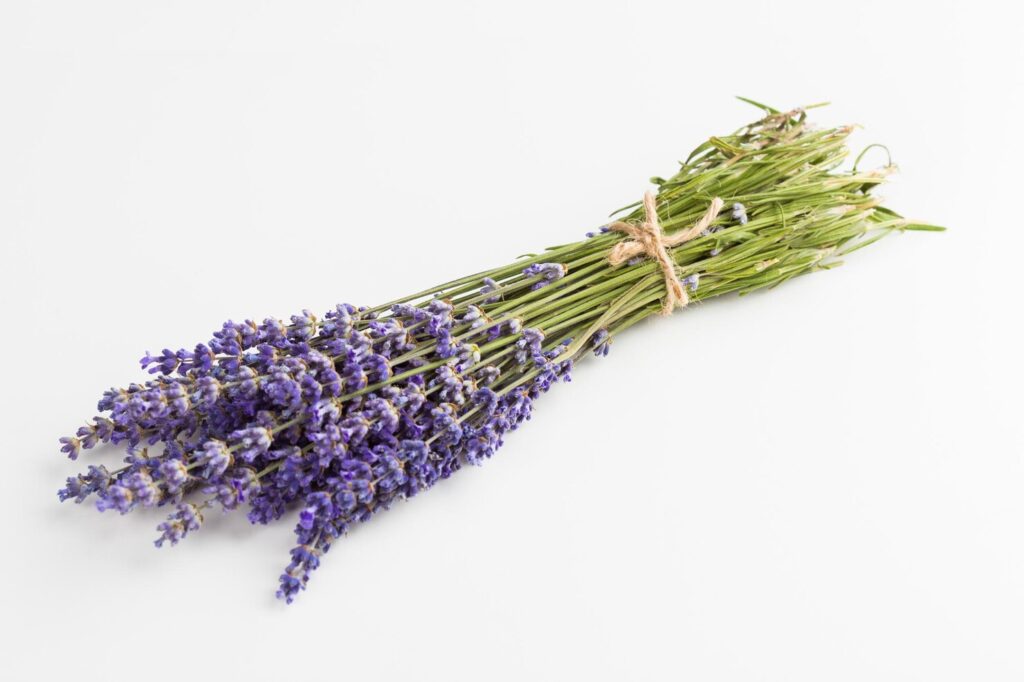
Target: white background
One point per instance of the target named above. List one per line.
(820, 482)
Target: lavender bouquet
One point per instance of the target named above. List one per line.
(342, 415)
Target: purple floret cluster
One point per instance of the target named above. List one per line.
(337, 417)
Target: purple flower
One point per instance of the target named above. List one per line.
(251, 443)
(185, 519)
(450, 384)
(528, 347)
(328, 444)
(117, 497)
(303, 326)
(71, 446)
(174, 474)
(486, 399)
(144, 490)
(96, 480)
(318, 511)
(601, 342)
(354, 429)
(207, 391)
(475, 317)
(98, 432)
(216, 457)
(487, 375)
(480, 446)
(165, 363)
(489, 286)
(305, 560)
(548, 272)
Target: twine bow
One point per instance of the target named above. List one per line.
(648, 240)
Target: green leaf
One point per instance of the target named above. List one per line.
(924, 227)
(767, 108)
(722, 145)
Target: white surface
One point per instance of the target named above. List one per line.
(822, 482)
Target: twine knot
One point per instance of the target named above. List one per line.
(647, 239)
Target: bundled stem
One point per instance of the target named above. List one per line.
(343, 415)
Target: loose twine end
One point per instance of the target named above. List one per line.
(647, 239)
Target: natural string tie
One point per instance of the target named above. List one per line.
(647, 239)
